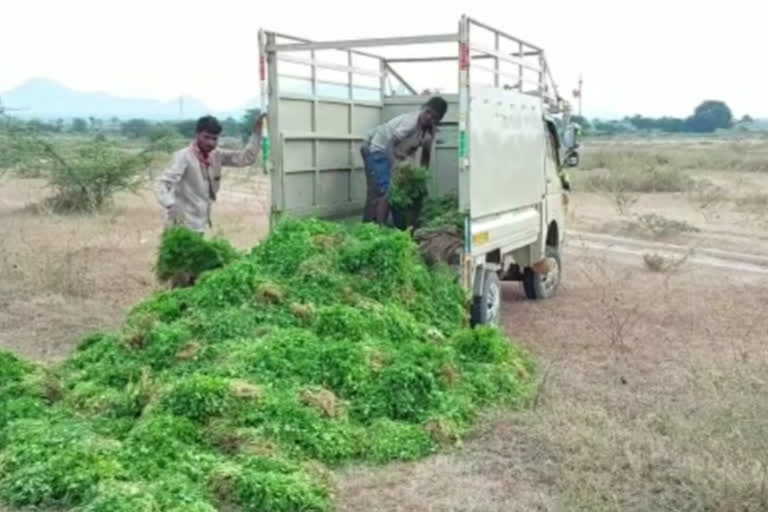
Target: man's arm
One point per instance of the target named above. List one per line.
(426, 153)
(165, 187)
(426, 146)
(250, 153)
(402, 128)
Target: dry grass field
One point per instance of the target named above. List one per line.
(653, 358)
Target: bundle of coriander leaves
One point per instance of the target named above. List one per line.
(323, 345)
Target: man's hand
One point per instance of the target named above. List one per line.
(176, 215)
(258, 124)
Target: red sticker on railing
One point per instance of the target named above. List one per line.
(463, 56)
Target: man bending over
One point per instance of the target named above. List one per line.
(399, 136)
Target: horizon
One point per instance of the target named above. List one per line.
(28, 113)
(661, 63)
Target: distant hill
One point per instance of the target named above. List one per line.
(47, 99)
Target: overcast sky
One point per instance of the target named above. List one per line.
(652, 57)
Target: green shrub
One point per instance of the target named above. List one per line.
(84, 176)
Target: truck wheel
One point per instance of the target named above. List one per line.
(486, 308)
(543, 286)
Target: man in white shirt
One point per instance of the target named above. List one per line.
(399, 136)
(188, 187)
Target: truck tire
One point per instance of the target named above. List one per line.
(486, 308)
(543, 286)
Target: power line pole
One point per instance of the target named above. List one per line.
(577, 93)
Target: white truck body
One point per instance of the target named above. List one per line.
(496, 148)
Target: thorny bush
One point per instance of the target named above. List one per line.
(85, 174)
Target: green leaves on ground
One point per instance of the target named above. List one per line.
(185, 252)
(323, 345)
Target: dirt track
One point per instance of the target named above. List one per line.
(628, 249)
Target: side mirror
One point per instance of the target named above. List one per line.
(569, 135)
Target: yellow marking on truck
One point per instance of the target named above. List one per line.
(481, 238)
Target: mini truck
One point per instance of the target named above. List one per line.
(497, 148)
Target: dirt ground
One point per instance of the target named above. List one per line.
(65, 275)
(652, 398)
(653, 383)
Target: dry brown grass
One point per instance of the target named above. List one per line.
(646, 179)
(652, 226)
(659, 226)
(653, 385)
(624, 169)
(757, 202)
(63, 275)
(659, 263)
(66, 274)
(656, 262)
(707, 197)
(694, 154)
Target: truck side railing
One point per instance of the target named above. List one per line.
(528, 70)
(314, 144)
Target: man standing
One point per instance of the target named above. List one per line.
(188, 187)
(396, 138)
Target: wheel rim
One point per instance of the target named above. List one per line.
(493, 302)
(550, 280)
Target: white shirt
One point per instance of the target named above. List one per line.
(403, 129)
(190, 187)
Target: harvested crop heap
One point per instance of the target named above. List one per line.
(184, 255)
(436, 223)
(440, 231)
(325, 344)
(442, 212)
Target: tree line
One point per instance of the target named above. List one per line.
(707, 117)
(138, 128)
